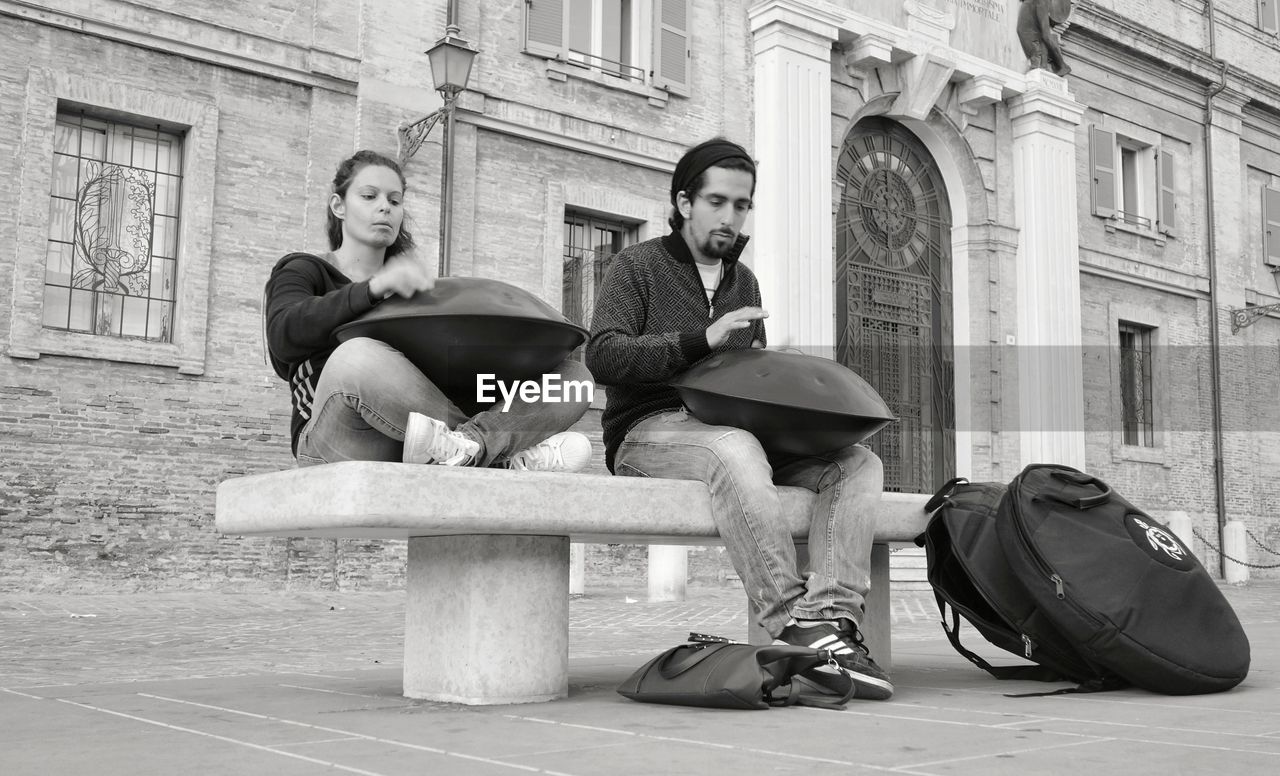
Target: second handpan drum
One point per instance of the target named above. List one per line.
(469, 326)
(793, 403)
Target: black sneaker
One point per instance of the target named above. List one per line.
(856, 666)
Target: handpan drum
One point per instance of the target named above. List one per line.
(793, 403)
(465, 327)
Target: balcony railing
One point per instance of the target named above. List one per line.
(1133, 219)
(607, 66)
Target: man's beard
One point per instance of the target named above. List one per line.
(712, 251)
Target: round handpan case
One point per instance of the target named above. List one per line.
(794, 403)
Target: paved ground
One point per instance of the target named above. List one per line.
(306, 682)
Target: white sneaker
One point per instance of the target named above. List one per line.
(427, 440)
(567, 451)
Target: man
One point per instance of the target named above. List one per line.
(667, 303)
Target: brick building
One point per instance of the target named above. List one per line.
(1030, 267)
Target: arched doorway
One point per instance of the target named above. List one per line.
(893, 297)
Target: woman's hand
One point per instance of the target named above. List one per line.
(404, 274)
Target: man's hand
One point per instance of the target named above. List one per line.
(404, 274)
(741, 318)
(785, 344)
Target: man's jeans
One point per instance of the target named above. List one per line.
(747, 511)
(368, 389)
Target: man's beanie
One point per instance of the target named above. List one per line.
(703, 156)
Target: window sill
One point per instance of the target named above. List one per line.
(1138, 454)
(1113, 224)
(559, 70)
(50, 342)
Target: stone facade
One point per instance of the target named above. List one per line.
(1143, 71)
(110, 450)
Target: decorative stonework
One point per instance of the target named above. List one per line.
(923, 79)
(933, 23)
(866, 53)
(980, 91)
(922, 63)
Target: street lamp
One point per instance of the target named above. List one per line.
(450, 59)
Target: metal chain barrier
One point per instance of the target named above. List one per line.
(1215, 548)
(1258, 542)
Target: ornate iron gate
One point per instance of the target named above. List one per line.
(893, 297)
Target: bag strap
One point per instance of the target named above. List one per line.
(1084, 480)
(1036, 673)
(689, 655)
(779, 660)
(820, 701)
(801, 666)
(944, 493)
(942, 496)
(1101, 684)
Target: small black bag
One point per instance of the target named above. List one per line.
(713, 672)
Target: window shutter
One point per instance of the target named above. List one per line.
(544, 27)
(1268, 18)
(1271, 226)
(671, 45)
(1167, 215)
(1102, 166)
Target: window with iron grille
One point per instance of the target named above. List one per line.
(111, 257)
(1135, 385)
(590, 243)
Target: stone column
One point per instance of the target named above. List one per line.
(986, 367)
(792, 226)
(668, 572)
(1048, 338)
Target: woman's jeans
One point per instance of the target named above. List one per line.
(747, 512)
(368, 389)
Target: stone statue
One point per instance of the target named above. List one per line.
(1036, 20)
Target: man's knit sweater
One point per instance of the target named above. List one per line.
(650, 323)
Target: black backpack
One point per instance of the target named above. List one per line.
(1058, 568)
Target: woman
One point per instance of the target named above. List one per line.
(363, 400)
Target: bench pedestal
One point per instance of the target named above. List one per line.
(487, 620)
(876, 622)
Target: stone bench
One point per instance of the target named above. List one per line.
(487, 616)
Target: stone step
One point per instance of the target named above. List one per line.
(908, 568)
(909, 584)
